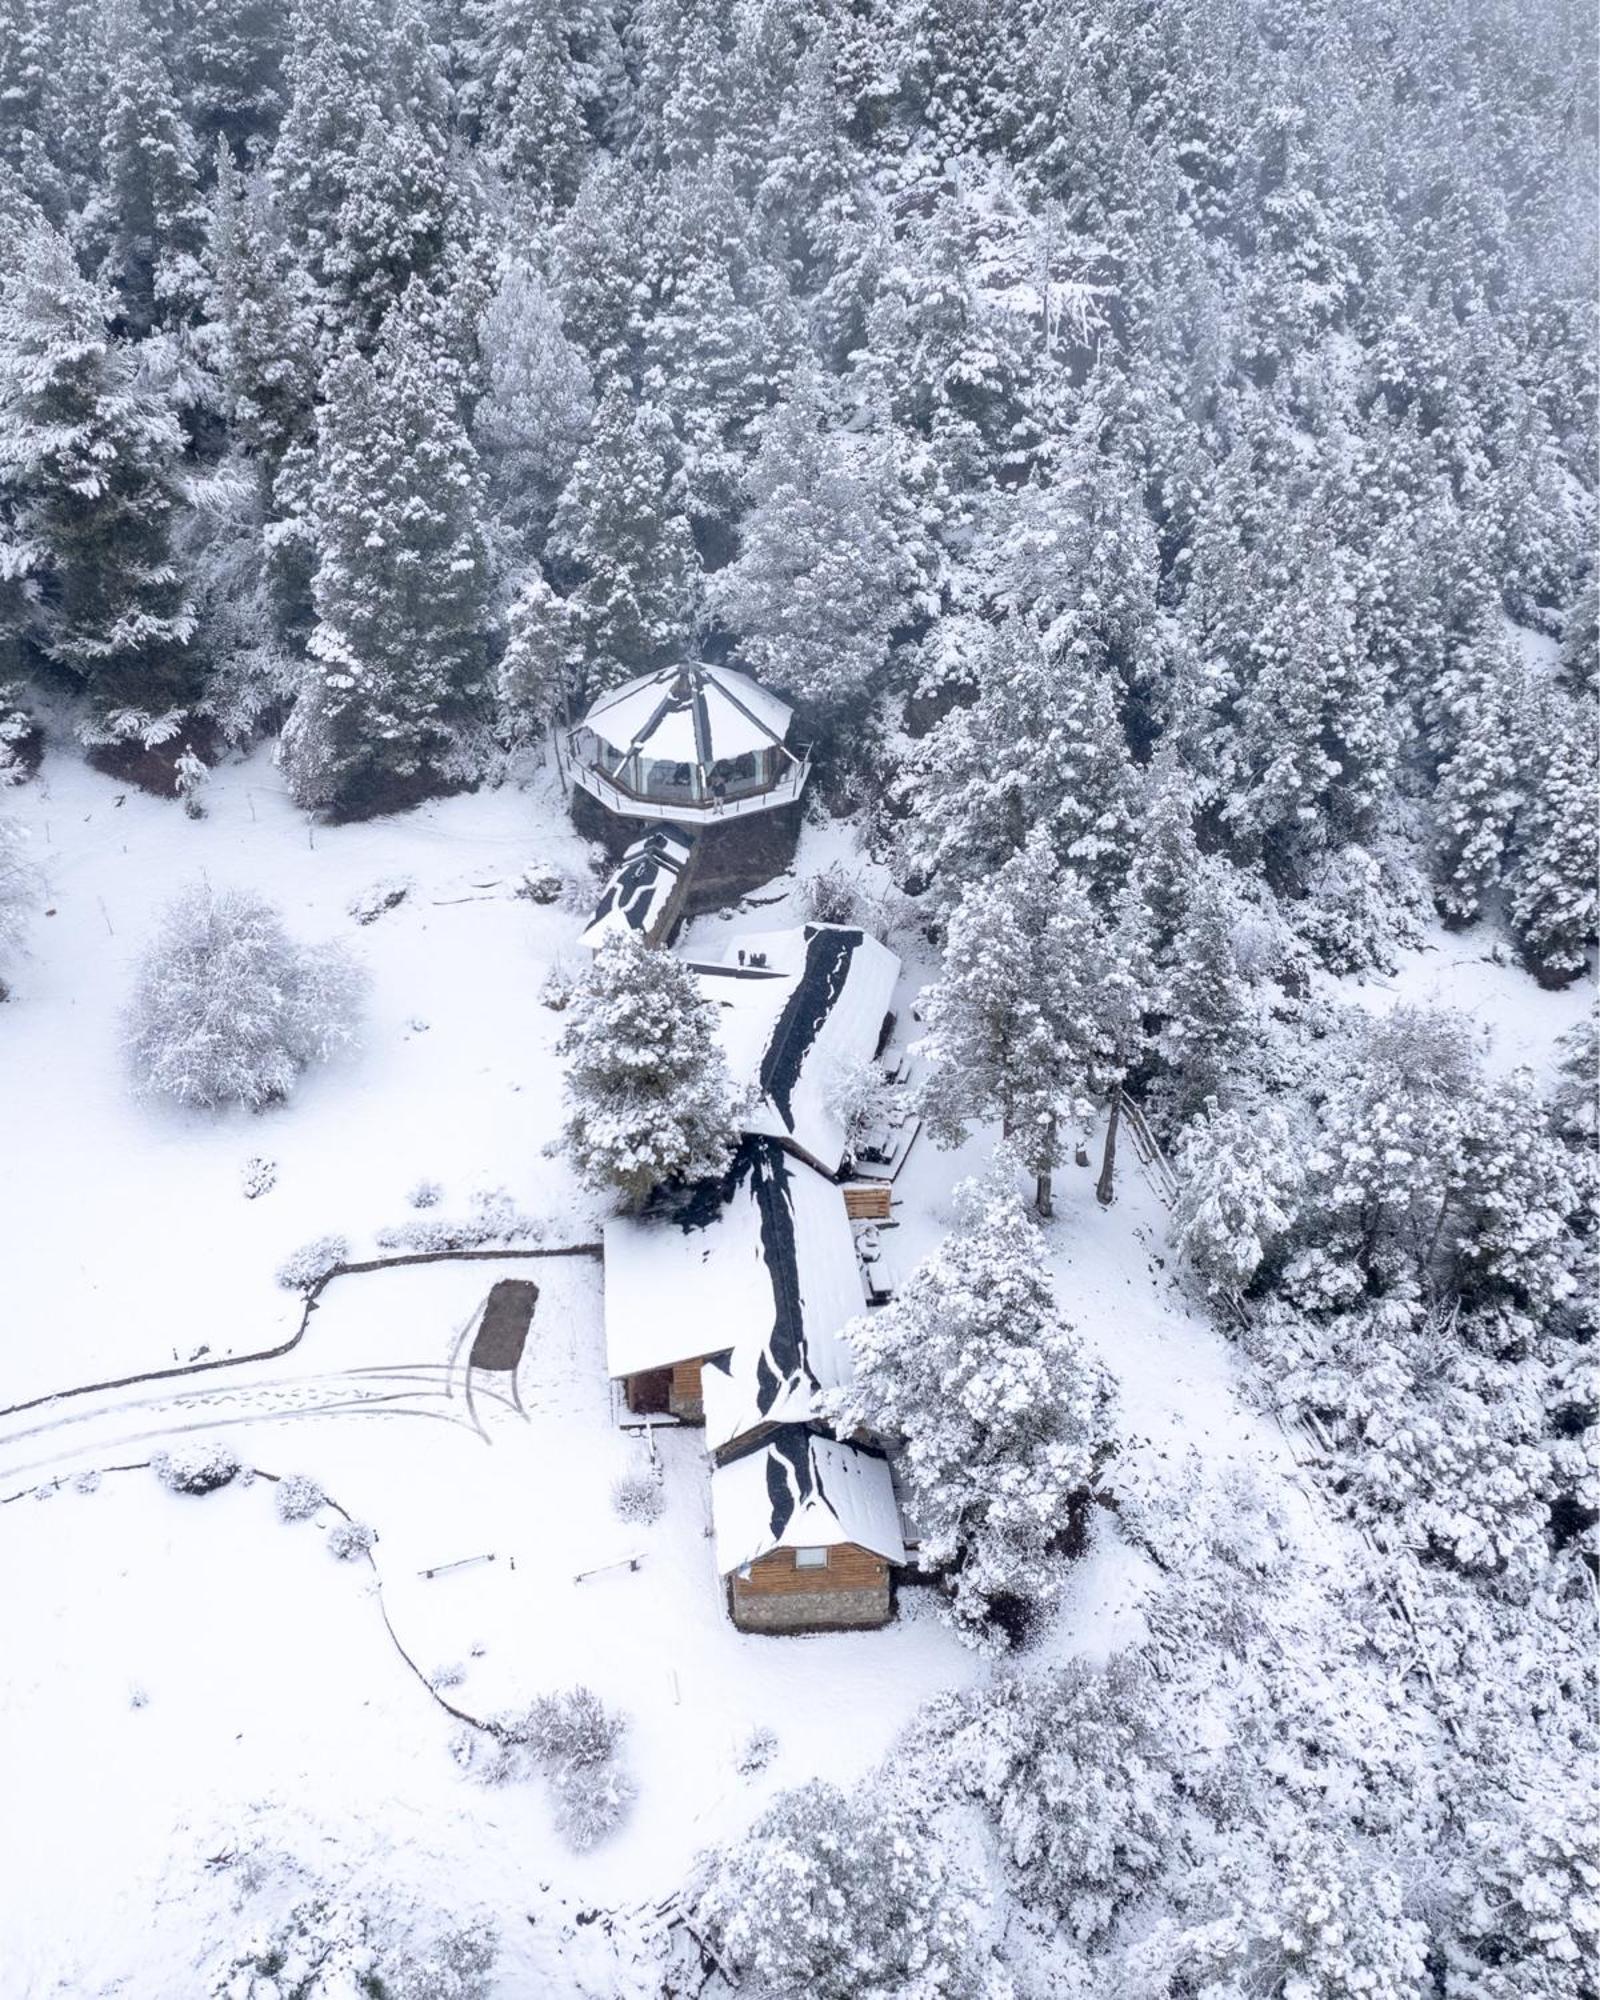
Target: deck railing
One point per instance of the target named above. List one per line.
(631, 805)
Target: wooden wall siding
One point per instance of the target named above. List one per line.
(849, 1568)
(869, 1203)
(687, 1396)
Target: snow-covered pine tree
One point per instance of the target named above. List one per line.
(1478, 701)
(540, 141)
(619, 530)
(830, 557)
(649, 1098)
(1039, 749)
(148, 212)
(1208, 1010)
(534, 416)
(998, 1415)
(533, 682)
(1035, 1017)
(90, 454)
(228, 1009)
(1554, 888)
(395, 697)
(843, 1896)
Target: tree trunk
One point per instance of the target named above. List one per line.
(1105, 1188)
(1044, 1194)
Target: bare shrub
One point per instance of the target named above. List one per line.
(637, 1496)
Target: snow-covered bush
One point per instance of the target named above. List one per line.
(1001, 1416)
(590, 1801)
(843, 1896)
(198, 1467)
(298, 1497)
(637, 1496)
(387, 894)
(426, 1194)
(832, 895)
(326, 1946)
(350, 1540)
(1239, 1175)
(571, 1728)
(303, 1269)
(860, 1096)
(258, 1176)
(649, 1098)
(229, 1009)
(492, 1217)
(757, 1751)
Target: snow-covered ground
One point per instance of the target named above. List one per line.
(182, 1675)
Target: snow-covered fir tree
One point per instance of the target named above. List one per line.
(649, 1099)
(619, 531)
(1035, 1018)
(396, 691)
(90, 449)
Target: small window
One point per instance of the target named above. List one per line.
(811, 1558)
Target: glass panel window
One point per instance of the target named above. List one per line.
(811, 1558)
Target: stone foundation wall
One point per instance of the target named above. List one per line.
(808, 1610)
(731, 856)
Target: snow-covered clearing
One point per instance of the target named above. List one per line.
(186, 1674)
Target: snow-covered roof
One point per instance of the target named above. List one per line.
(796, 1490)
(757, 1270)
(690, 715)
(637, 891)
(792, 1025)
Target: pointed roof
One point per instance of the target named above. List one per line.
(693, 714)
(794, 1489)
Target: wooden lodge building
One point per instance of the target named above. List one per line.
(726, 1302)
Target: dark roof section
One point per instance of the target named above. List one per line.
(503, 1331)
(764, 1164)
(829, 950)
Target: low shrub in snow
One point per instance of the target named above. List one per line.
(541, 883)
(572, 1738)
(558, 988)
(258, 1176)
(760, 1747)
(229, 1009)
(200, 1467)
(574, 1727)
(426, 1194)
(349, 1540)
(833, 895)
(449, 1676)
(591, 1800)
(327, 1946)
(298, 1497)
(305, 1268)
(637, 1496)
(492, 1217)
(385, 895)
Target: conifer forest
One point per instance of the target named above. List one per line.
(1108, 489)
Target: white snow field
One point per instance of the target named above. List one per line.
(191, 1677)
